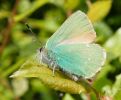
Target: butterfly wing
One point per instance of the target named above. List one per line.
(80, 59)
(76, 29)
(72, 48)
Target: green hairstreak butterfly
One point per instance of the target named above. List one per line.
(72, 50)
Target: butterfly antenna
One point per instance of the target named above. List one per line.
(34, 38)
(30, 29)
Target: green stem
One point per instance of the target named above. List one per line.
(35, 6)
(88, 86)
(13, 68)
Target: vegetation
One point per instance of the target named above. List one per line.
(18, 46)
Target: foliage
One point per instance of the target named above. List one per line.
(18, 46)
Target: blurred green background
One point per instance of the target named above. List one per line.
(44, 17)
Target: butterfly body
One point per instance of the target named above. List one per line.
(71, 49)
(47, 59)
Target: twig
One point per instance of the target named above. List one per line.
(6, 31)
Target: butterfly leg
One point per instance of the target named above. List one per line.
(71, 76)
(54, 69)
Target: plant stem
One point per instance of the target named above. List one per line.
(88, 86)
(6, 32)
(35, 6)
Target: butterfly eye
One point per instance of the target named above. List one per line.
(40, 49)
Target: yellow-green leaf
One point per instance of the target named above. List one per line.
(99, 10)
(32, 68)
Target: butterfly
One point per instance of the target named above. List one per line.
(72, 50)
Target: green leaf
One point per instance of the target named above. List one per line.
(38, 86)
(66, 4)
(23, 6)
(33, 68)
(114, 91)
(71, 4)
(113, 45)
(68, 97)
(102, 35)
(5, 91)
(102, 79)
(99, 10)
(117, 88)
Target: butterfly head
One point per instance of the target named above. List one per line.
(40, 50)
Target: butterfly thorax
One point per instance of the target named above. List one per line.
(47, 57)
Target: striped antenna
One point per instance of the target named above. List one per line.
(34, 37)
(30, 29)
